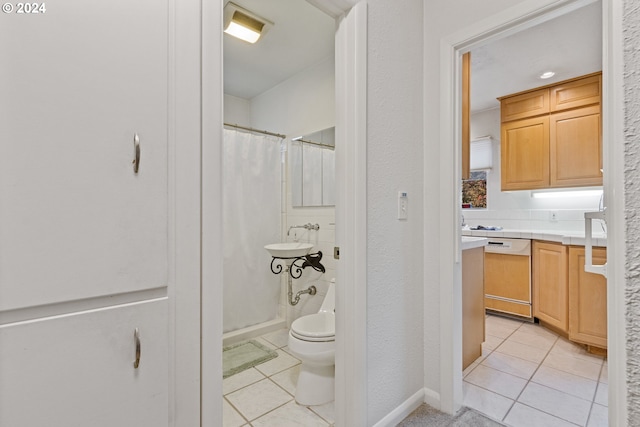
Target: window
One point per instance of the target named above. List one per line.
(474, 191)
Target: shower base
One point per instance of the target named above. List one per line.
(253, 331)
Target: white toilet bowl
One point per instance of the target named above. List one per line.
(312, 340)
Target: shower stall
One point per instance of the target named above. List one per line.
(253, 214)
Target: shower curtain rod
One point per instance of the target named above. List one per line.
(256, 130)
(333, 147)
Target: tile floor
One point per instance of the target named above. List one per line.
(263, 395)
(528, 376)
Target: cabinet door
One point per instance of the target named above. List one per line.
(576, 147)
(77, 370)
(525, 105)
(525, 154)
(587, 299)
(550, 287)
(77, 83)
(576, 93)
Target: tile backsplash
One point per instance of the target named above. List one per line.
(531, 219)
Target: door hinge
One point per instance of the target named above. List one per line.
(336, 252)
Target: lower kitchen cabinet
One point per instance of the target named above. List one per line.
(587, 299)
(77, 369)
(550, 290)
(472, 305)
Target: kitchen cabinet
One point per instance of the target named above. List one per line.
(551, 136)
(550, 284)
(576, 147)
(587, 299)
(466, 115)
(524, 159)
(472, 305)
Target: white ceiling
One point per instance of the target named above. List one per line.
(302, 36)
(570, 45)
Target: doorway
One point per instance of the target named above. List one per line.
(525, 18)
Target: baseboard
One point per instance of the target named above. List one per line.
(432, 398)
(401, 412)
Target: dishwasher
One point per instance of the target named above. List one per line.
(507, 277)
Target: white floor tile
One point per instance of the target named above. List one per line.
(568, 383)
(279, 338)
(523, 351)
(326, 411)
(573, 365)
(569, 348)
(266, 343)
(231, 417)
(290, 415)
(498, 331)
(258, 399)
(556, 403)
(599, 416)
(604, 374)
(471, 367)
(504, 322)
(241, 379)
(602, 395)
(541, 341)
(499, 382)
(491, 342)
(279, 364)
(536, 329)
(510, 364)
(524, 416)
(288, 379)
(487, 402)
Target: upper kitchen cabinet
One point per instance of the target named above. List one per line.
(551, 136)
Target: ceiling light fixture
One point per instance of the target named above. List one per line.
(547, 75)
(245, 25)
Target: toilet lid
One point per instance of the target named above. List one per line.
(315, 327)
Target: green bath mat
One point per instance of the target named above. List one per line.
(238, 357)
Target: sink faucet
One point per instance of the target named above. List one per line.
(307, 226)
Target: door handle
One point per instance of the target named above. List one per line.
(136, 337)
(136, 153)
(588, 245)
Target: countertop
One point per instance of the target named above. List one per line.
(564, 237)
(473, 242)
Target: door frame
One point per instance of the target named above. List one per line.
(512, 20)
(351, 71)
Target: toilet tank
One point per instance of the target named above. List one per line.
(329, 303)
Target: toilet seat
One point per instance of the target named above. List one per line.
(317, 327)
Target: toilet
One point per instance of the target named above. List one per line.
(312, 340)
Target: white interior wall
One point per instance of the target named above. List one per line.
(517, 209)
(394, 163)
(303, 104)
(237, 111)
(441, 18)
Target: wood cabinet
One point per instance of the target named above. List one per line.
(551, 136)
(524, 159)
(550, 284)
(576, 147)
(587, 299)
(472, 305)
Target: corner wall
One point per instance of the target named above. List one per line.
(394, 163)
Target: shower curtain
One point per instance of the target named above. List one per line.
(252, 182)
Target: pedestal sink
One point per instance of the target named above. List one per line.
(290, 250)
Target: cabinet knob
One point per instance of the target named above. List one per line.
(136, 337)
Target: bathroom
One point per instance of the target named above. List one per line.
(282, 85)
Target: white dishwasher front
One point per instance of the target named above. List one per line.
(507, 277)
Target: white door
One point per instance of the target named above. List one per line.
(80, 230)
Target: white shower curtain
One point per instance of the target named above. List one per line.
(252, 217)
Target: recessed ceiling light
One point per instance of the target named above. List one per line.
(243, 24)
(547, 75)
